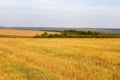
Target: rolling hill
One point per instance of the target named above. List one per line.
(115, 31)
(22, 32)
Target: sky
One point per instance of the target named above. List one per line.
(60, 13)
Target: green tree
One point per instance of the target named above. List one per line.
(45, 35)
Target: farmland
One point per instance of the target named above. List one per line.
(59, 59)
(21, 32)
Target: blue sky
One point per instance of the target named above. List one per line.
(60, 13)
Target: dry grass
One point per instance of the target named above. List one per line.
(59, 59)
(21, 32)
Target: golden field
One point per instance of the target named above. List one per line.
(59, 59)
(21, 32)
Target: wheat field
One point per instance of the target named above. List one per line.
(59, 59)
(22, 32)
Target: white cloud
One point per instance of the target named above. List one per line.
(56, 13)
(7, 2)
(41, 1)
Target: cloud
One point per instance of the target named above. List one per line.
(78, 13)
(41, 1)
(6, 2)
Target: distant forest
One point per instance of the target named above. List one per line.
(77, 34)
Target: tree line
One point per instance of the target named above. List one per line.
(76, 34)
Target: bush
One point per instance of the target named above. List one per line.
(76, 34)
(37, 36)
(44, 35)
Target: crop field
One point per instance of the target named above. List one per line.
(59, 59)
(21, 32)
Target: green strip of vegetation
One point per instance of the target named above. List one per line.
(77, 34)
